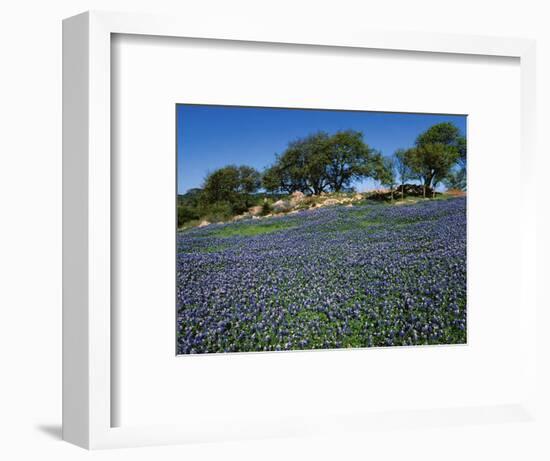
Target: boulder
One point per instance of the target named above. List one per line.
(410, 190)
(296, 198)
(281, 205)
(255, 210)
(204, 223)
(240, 216)
(331, 201)
(414, 190)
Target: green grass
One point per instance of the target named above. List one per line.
(444, 196)
(248, 230)
(345, 226)
(211, 249)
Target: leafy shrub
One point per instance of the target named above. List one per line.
(266, 208)
(217, 212)
(186, 214)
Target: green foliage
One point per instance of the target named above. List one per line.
(231, 186)
(313, 152)
(266, 208)
(443, 133)
(349, 158)
(190, 198)
(319, 163)
(401, 168)
(217, 212)
(435, 153)
(456, 179)
(230, 183)
(275, 179)
(188, 206)
(432, 163)
(385, 172)
(186, 214)
(249, 180)
(300, 167)
(461, 146)
(251, 229)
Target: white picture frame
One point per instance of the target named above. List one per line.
(87, 360)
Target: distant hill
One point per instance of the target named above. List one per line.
(190, 198)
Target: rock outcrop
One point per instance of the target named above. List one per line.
(281, 205)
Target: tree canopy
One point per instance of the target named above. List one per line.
(431, 162)
(318, 163)
(349, 158)
(299, 167)
(435, 152)
(385, 172)
(231, 184)
(402, 169)
(445, 133)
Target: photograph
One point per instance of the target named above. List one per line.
(304, 229)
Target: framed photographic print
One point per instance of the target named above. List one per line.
(288, 233)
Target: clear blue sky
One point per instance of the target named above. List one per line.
(209, 137)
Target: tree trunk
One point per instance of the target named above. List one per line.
(402, 191)
(427, 182)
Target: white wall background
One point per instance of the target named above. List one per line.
(30, 213)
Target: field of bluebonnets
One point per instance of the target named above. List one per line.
(336, 277)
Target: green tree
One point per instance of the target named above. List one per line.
(436, 151)
(190, 198)
(231, 184)
(284, 175)
(249, 180)
(301, 167)
(385, 172)
(431, 162)
(457, 177)
(349, 158)
(186, 214)
(462, 151)
(274, 181)
(313, 154)
(319, 162)
(187, 206)
(445, 133)
(403, 170)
